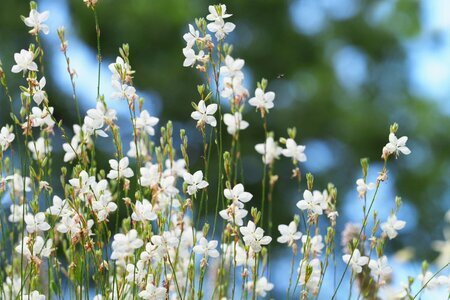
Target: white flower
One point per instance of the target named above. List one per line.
(363, 187)
(254, 236)
(35, 295)
(24, 62)
(96, 118)
(175, 168)
(269, 150)
(6, 138)
(234, 214)
(103, 207)
(17, 213)
(152, 292)
(217, 12)
(19, 183)
(313, 202)
(123, 91)
(234, 122)
(310, 274)
(289, 233)
(392, 226)
(237, 194)
(150, 175)
(82, 183)
(191, 57)
(35, 20)
(233, 88)
(146, 122)
(136, 273)
(232, 67)
(40, 248)
(356, 261)
(141, 149)
(207, 249)
(195, 182)
(191, 37)
(221, 28)
(205, 114)
(143, 211)
(120, 169)
(380, 267)
(72, 150)
(118, 68)
(40, 117)
(315, 243)
(36, 223)
(39, 93)
(397, 145)
(262, 101)
(262, 286)
(59, 208)
(428, 279)
(39, 148)
(295, 151)
(124, 244)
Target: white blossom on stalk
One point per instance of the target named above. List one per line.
(397, 145)
(96, 118)
(391, 226)
(39, 149)
(24, 62)
(136, 273)
(18, 183)
(262, 101)
(120, 169)
(191, 37)
(120, 66)
(363, 187)
(17, 213)
(205, 114)
(254, 236)
(39, 94)
(312, 202)
(39, 117)
(72, 150)
(150, 175)
(207, 249)
(233, 88)
(269, 150)
(141, 149)
(217, 12)
(146, 122)
(238, 195)
(59, 208)
(233, 67)
(151, 292)
(36, 20)
(39, 250)
(355, 261)
(123, 91)
(297, 152)
(82, 183)
(124, 244)
(36, 223)
(221, 28)
(310, 274)
(35, 295)
(6, 138)
(234, 214)
(195, 182)
(175, 168)
(103, 207)
(289, 233)
(428, 280)
(191, 58)
(263, 286)
(143, 211)
(234, 122)
(380, 268)
(315, 243)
